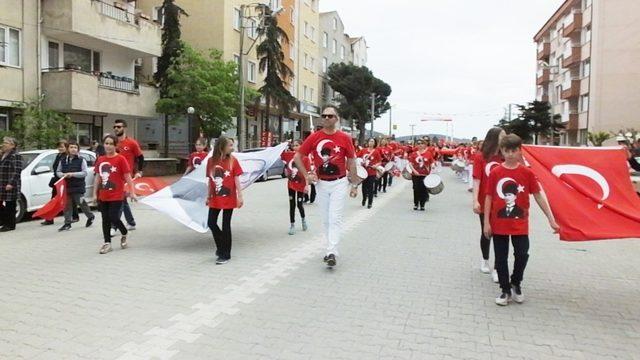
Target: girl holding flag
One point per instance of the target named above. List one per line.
(296, 184)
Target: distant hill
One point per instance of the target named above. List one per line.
(431, 136)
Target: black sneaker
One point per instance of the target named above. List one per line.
(47, 222)
(422, 209)
(369, 206)
(90, 221)
(7, 228)
(330, 260)
(415, 207)
(65, 227)
(221, 261)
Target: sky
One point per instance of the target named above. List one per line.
(461, 59)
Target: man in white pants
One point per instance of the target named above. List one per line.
(333, 154)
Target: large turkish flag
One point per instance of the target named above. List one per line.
(56, 205)
(145, 186)
(589, 191)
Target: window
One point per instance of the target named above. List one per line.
(47, 161)
(9, 46)
(77, 58)
(556, 95)
(584, 103)
(306, 29)
(586, 35)
(158, 15)
(310, 94)
(292, 52)
(312, 64)
(274, 4)
(335, 24)
(325, 40)
(586, 4)
(251, 71)
(237, 19)
(253, 29)
(236, 58)
(293, 16)
(335, 46)
(586, 68)
(4, 120)
(54, 55)
(306, 60)
(96, 61)
(90, 159)
(342, 52)
(312, 35)
(325, 65)
(305, 93)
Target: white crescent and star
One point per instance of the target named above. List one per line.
(501, 184)
(489, 167)
(321, 145)
(572, 169)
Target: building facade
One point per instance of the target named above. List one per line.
(85, 58)
(587, 54)
(307, 68)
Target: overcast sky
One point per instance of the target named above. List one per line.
(464, 59)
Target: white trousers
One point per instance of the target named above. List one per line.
(470, 175)
(331, 198)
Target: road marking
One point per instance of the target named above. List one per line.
(185, 327)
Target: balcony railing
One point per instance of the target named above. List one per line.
(105, 79)
(112, 11)
(574, 25)
(543, 77)
(544, 50)
(573, 59)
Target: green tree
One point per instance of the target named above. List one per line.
(171, 44)
(209, 84)
(535, 120)
(598, 138)
(272, 61)
(38, 128)
(355, 86)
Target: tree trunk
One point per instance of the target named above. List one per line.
(166, 136)
(268, 112)
(280, 135)
(361, 131)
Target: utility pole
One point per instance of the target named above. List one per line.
(373, 111)
(412, 126)
(390, 123)
(509, 116)
(241, 118)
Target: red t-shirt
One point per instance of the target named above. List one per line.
(111, 171)
(296, 181)
(510, 190)
(386, 154)
(195, 159)
(370, 160)
(330, 153)
(222, 183)
(481, 171)
(421, 162)
(130, 149)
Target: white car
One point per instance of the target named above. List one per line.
(37, 172)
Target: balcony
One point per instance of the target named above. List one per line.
(98, 93)
(544, 77)
(573, 123)
(572, 59)
(573, 26)
(573, 91)
(543, 51)
(100, 24)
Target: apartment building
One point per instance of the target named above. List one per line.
(587, 56)
(85, 56)
(308, 66)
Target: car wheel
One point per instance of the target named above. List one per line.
(265, 176)
(22, 209)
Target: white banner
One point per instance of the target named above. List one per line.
(185, 200)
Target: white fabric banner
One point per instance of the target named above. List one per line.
(185, 199)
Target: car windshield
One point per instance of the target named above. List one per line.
(27, 158)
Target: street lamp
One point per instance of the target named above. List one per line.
(190, 111)
(262, 14)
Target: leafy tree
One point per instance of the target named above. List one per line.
(207, 83)
(171, 44)
(355, 86)
(272, 61)
(38, 128)
(598, 138)
(535, 120)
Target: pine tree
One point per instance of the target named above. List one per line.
(171, 44)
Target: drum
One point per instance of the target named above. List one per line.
(380, 171)
(389, 166)
(434, 184)
(406, 173)
(361, 172)
(458, 165)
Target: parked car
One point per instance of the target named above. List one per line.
(37, 172)
(276, 169)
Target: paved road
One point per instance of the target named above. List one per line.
(407, 287)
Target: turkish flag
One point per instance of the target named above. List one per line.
(589, 191)
(56, 205)
(147, 185)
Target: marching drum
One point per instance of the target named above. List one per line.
(389, 166)
(361, 172)
(434, 184)
(458, 165)
(406, 173)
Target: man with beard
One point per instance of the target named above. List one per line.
(130, 149)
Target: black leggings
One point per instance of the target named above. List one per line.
(390, 179)
(221, 237)
(382, 183)
(110, 211)
(368, 189)
(311, 197)
(8, 214)
(485, 242)
(295, 197)
(420, 192)
(521, 257)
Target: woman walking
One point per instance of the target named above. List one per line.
(370, 160)
(421, 161)
(112, 173)
(225, 194)
(73, 168)
(10, 169)
(62, 152)
(485, 160)
(296, 185)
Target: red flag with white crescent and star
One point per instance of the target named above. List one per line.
(589, 191)
(145, 186)
(56, 205)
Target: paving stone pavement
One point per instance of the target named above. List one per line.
(406, 287)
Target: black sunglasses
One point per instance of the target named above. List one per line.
(118, 126)
(328, 116)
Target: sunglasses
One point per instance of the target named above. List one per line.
(118, 126)
(328, 116)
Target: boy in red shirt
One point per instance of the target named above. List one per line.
(506, 215)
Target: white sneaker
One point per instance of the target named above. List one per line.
(503, 299)
(112, 232)
(494, 276)
(484, 266)
(516, 294)
(131, 227)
